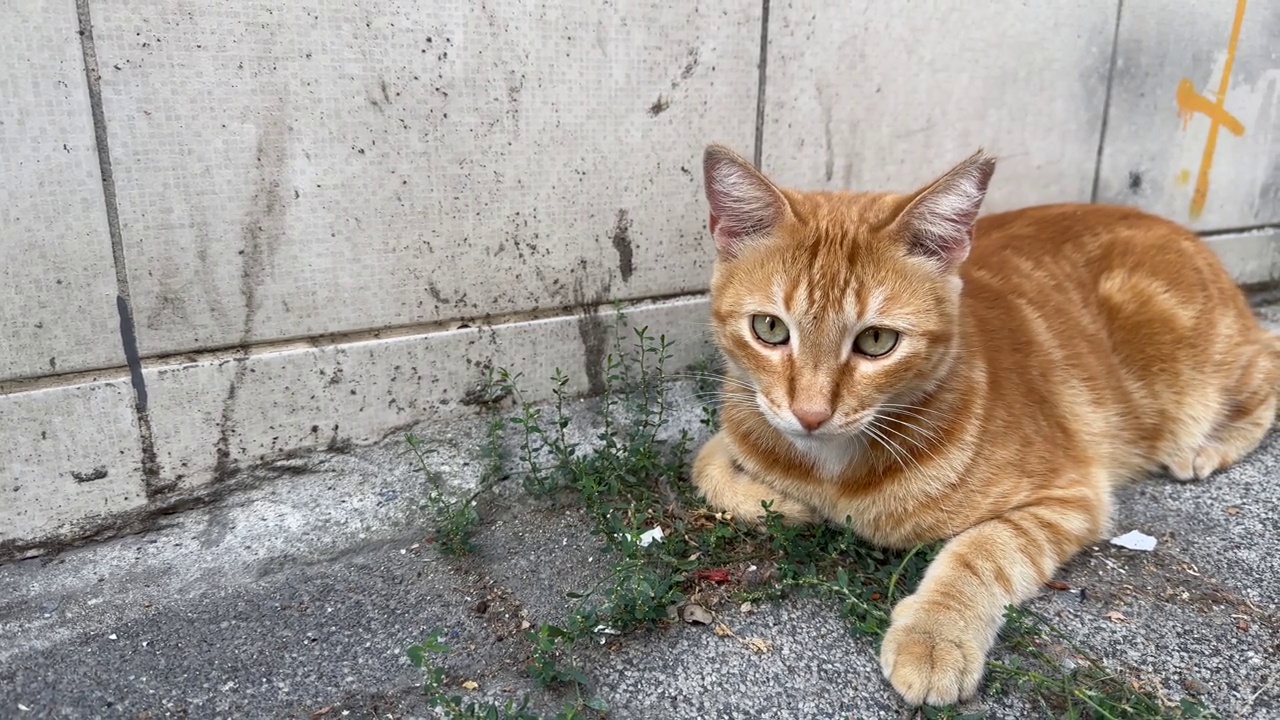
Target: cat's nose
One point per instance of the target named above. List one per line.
(811, 418)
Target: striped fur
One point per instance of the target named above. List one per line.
(1075, 348)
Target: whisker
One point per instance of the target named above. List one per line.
(915, 461)
(917, 443)
(914, 407)
(726, 399)
(901, 407)
(713, 376)
(886, 444)
(912, 426)
(722, 393)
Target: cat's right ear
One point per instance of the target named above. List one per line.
(744, 204)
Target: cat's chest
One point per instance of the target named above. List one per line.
(883, 508)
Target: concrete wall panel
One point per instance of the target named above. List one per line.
(1165, 105)
(69, 455)
(213, 417)
(1252, 257)
(870, 95)
(57, 280)
(305, 168)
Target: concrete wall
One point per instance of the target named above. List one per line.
(229, 231)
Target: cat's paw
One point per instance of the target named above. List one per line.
(729, 488)
(932, 656)
(1202, 463)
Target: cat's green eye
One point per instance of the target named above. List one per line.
(770, 329)
(875, 342)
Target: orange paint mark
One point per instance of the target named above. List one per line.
(1191, 102)
(1184, 176)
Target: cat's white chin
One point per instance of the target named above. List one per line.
(832, 449)
(830, 454)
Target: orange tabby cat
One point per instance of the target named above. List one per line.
(894, 360)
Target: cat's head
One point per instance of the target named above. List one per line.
(836, 306)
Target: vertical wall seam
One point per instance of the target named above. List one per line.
(764, 66)
(1106, 103)
(128, 330)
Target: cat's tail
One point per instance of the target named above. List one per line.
(1273, 341)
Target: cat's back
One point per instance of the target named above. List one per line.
(1090, 238)
(1078, 256)
(1110, 312)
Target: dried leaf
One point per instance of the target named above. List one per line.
(1242, 625)
(695, 614)
(471, 685)
(1057, 585)
(1116, 616)
(1195, 687)
(1233, 510)
(760, 646)
(722, 630)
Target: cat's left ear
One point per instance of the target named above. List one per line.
(938, 222)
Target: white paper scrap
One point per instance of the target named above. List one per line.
(649, 536)
(1135, 540)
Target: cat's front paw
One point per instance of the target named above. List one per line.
(931, 655)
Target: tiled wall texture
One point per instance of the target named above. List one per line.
(230, 231)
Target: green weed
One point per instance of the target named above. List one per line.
(456, 707)
(632, 479)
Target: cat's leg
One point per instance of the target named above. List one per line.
(728, 488)
(937, 644)
(1238, 436)
(1252, 413)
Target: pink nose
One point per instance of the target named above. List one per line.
(811, 418)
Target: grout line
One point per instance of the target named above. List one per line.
(128, 335)
(1106, 105)
(764, 67)
(238, 352)
(1265, 227)
(477, 324)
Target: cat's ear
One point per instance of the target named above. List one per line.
(744, 204)
(938, 222)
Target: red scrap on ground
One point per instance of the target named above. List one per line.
(718, 575)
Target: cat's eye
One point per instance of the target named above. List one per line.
(770, 330)
(875, 342)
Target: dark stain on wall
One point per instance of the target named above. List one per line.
(592, 331)
(622, 243)
(263, 227)
(1135, 181)
(88, 476)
